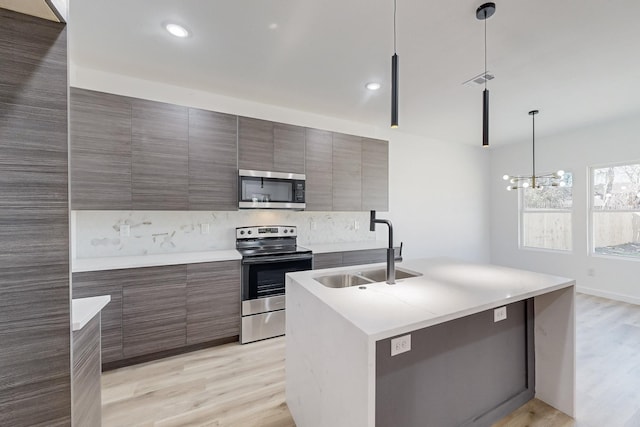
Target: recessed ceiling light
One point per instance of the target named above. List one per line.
(273, 26)
(177, 30)
(372, 86)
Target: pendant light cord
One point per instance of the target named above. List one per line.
(533, 140)
(485, 49)
(394, 26)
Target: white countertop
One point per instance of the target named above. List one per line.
(447, 290)
(85, 309)
(320, 248)
(120, 262)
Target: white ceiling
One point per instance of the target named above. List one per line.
(577, 61)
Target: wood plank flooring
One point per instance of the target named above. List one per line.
(235, 385)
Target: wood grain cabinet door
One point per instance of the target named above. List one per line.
(288, 148)
(160, 156)
(96, 283)
(154, 310)
(347, 172)
(366, 256)
(327, 260)
(255, 144)
(319, 170)
(100, 144)
(213, 301)
(213, 161)
(375, 175)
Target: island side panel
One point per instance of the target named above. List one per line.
(327, 364)
(470, 371)
(555, 351)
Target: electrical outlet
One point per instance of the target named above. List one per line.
(500, 313)
(125, 230)
(401, 344)
(204, 228)
(356, 225)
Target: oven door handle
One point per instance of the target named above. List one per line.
(270, 259)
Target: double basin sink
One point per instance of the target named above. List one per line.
(364, 277)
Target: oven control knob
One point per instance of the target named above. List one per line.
(241, 231)
(249, 232)
(291, 230)
(285, 230)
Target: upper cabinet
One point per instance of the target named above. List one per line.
(129, 153)
(213, 169)
(160, 156)
(319, 167)
(100, 164)
(347, 172)
(288, 148)
(375, 175)
(270, 146)
(255, 144)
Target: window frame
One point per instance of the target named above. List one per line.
(591, 247)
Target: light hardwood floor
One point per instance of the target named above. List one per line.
(214, 387)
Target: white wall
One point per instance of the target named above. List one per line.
(573, 151)
(438, 191)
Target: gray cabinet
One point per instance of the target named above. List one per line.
(375, 175)
(288, 148)
(96, 283)
(347, 172)
(100, 144)
(86, 369)
(319, 170)
(255, 144)
(346, 258)
(160, 159)
(213, 170)
(270, 146)
(213, 301)
(154, 310)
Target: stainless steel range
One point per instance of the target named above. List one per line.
(268, 253)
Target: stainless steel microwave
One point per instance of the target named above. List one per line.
(270, 190)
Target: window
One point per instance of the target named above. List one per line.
(615, 210)
(545, 216)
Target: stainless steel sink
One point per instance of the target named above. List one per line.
(365, 277)
(343, 280)
(380, 274)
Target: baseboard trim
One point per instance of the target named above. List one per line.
(609, 295)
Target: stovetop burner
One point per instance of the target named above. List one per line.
(268, 241)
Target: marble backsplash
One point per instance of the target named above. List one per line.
(98, 233)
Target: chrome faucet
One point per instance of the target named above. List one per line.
(391, 255)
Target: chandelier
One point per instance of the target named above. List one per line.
(535, 181)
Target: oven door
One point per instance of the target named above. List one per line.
(263, 281)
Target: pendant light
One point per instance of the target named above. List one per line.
(535, 181)
(394, 75)
(483, 13)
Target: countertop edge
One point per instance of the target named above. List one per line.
(82, 265)
(85, 309)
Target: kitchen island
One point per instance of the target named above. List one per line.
(458, 362)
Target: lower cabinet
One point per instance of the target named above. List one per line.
(154, 309)
(213, 301)
(343, 259)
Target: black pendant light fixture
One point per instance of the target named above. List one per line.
(394, 75)
(535, 181)
(483, 13)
